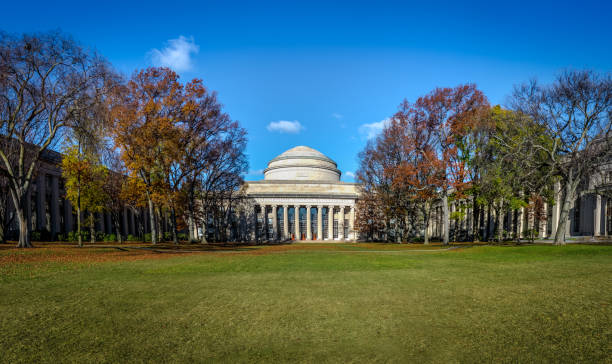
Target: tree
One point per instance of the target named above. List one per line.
(420, 174)
(84, 179)
(42, 78)
(450, 113)
(144, 113)
(575, 112)
(220, 182)
(114, 187)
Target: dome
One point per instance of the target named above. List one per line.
(302, 163)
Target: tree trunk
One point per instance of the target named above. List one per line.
(570, 190)
(500, 224)
(118, 229)
(160, 225)
(154, 236)
(80, 240)
(192, 229)
(173, 227)
(446, 216)
(475, 222)
(92, 228)
(24, 232)
(426, 234)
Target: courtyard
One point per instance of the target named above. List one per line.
(306, 303)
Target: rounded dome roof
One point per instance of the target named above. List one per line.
(302, 163)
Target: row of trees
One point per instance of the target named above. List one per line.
(149, 142)
(452, 145)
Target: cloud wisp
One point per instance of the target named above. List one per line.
(286, 127)
(373, 129)
(177, 54)
(255, 172)
(349, 174)
(337, 116)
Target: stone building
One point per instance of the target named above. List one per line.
(51, 214)
(302, 198)
(590, 214)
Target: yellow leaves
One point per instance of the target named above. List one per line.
(84, 177)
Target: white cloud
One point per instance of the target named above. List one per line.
(349, 174)
(284, 126)
(337, 116)
(176, 54)
(371, 130)
(255, 172)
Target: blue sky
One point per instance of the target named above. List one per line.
(326, 74)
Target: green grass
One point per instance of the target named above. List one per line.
(350, 303)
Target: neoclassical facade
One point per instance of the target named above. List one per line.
(302, 198)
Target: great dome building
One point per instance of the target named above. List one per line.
(302, 198)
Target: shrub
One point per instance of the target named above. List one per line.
(182, 236)
(61, 237)
(100, 236)
(131, 237)
(110, 238)
(41, 235)
(167, 236)
(35, 235)
(147, 237)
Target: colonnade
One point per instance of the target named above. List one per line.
(330, 222)
(49, 210)
(589, 215)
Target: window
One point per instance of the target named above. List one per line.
(313, 222)
(291, 218)
(302, 223)
(346, 228)
(325, 223)
(279, 217)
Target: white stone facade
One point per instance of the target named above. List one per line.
(303, 180)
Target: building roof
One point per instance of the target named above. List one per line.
(302, 163)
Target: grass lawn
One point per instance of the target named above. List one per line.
(307, 303)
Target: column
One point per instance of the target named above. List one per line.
(29, 210)
(308, 224)
(341, 223)
(330, 222)
(597, 216)
(543, 224)
(556, 209)
(41, 194)
(274, 223)
(352, 232)
(55, 213)
(297, 222)
(285, 221)
(254, 230)
(452, 224)
(319, 222)
(264, 213)
(519, 221)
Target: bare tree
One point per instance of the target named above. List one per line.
(575, 111)
(42, 79)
